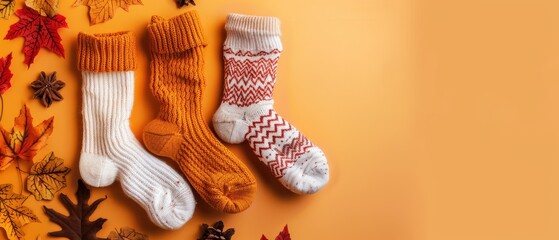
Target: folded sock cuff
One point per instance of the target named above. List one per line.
(106, 52)
(252, 32)
(177, 34)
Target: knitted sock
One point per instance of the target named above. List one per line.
(180, 132)
(110, 151)
(251, 53)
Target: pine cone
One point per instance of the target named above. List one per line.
(216, 232)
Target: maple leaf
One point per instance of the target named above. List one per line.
(104, 10)
(44, 7)
(127, 233)
(47, 177)
(24, 140)
(5, 73)
(38, 31)
(7, 8)
(283, 235)
(13, 215)
(77, 226)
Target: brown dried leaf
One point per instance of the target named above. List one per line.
(127, 233)
(13, 215)
(77, 226)
(47, 177)
(44, 7)
(104, 10)
(7, 8)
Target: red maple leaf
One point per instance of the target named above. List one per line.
(5, 73)
(283, 235)
(38, 31)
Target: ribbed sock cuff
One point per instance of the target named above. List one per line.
(177, 34)
(106, 52)
(252, 32)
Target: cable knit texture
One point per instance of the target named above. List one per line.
(180, 132)
(251, 53)
(109, 149)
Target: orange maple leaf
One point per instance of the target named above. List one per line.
(23, 141)
(104, 10)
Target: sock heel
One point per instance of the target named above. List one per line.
(230, 127)
(163, 138)
(97, 170)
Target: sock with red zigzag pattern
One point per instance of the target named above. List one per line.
(251, 52)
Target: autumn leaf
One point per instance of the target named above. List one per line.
(283, 235)
(47, 177)
(23, 141)
(7, 8)
(77, 226)
(44, 7)
(13, 215)
(5, 73)
(127, 233)
(38, 31)
(104, 10)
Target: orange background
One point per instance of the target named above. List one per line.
(440, 119)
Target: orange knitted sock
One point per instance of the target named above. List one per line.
(180, 132)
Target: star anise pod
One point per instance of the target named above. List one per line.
(216, 232)
(46, 88)
(181, 3)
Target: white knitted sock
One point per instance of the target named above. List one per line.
(251, 52)
(110, 151)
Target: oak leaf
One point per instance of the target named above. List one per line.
(7, 8)
(13, 215)
(127, 233)
(283, 235)
(47, 177)
(104, 10)
(38, 31)
(77, 226)
(44, 7)
(23, 141)
(5, 73)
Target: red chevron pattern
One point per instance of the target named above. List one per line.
(297, 147)
(242, 53)
(265, 137)
(249, 77)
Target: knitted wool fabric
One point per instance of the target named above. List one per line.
(109, 149)
(251, 53)
(180, 132)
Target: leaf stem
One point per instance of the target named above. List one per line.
(2, 104)
(20, 176)
(26, 197)
(23, 171)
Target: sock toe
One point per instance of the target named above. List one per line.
(309, 174)
(235, 194)
(173, 208)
